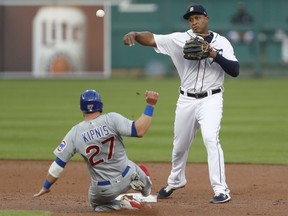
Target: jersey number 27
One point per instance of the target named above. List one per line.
(96, 149)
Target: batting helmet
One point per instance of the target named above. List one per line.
(90, 101)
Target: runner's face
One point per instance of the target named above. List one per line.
(198, 23)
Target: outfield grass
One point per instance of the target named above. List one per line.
(36, 114)
(23, 213)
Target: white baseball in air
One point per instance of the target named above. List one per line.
(100, 13)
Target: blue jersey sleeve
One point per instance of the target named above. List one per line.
(230, 67)
(133, 130)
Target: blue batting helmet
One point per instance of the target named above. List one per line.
(90, 101)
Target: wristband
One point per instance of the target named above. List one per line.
(148, 110)
(47, 184)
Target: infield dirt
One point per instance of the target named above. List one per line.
(255, 190)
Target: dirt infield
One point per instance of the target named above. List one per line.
(255, 190)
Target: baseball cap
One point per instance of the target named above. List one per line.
(195, 9)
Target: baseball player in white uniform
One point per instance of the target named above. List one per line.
(99, 140)
(200, 102)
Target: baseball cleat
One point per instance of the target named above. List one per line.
(220, 198)
(128, 202)
(166, 191)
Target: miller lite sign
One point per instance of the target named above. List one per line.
(59, 41)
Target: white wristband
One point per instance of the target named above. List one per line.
(55, 170)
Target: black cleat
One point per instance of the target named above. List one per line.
(220, 198)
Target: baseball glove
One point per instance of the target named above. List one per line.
(196, 49)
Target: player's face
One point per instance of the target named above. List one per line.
(198, 23)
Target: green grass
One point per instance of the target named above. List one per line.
(36, 114)
(23, 213)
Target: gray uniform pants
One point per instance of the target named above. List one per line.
(104, 195)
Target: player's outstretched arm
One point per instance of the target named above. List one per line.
(143, 123)
(144, 38)
(54, 173)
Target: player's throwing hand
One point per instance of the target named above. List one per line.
(129, 39)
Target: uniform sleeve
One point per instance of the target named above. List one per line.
(120, 124)
(66, 149)
(165, 44)
(226, 57)
(228, 51)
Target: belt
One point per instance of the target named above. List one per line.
(124, 173)
(201, 94)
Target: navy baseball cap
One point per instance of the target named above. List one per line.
(195, 9)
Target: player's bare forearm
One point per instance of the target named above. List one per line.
(143, 123)
(144, 38)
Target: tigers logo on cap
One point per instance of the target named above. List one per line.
(195, 9)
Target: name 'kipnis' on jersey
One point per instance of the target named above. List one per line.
(95, 133)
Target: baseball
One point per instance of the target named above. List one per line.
(100, 13)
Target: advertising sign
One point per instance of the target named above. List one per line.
(54, 40)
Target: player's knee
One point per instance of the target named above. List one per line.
(178, 154)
